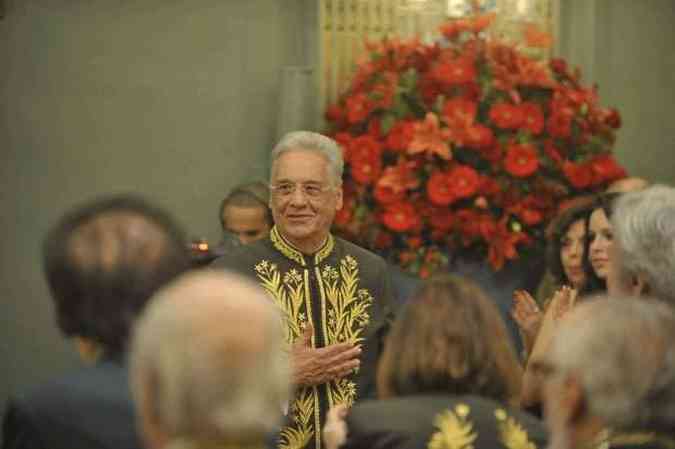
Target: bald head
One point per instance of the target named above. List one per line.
(207, 362)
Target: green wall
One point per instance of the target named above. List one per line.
(626, 47)
(177, 100)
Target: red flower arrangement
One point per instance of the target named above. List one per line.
(465, 145)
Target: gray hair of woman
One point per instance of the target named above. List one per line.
(644, 233)
(620, 351)
(311, 141)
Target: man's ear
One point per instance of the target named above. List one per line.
(338, 192)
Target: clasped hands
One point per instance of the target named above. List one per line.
(313, 366)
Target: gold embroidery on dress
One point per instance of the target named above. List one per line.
(345, 316)
(289, 295)
(512, 434)
(640, 439)
(455, 431)
(284, 248)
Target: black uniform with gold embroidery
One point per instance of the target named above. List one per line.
(441, 421)
(343, 292)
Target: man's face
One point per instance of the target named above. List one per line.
(304, 216)
(247, 223)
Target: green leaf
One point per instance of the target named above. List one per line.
(387, 123)
(409, 80)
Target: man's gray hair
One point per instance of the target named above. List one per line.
(621, 351)
(207, 362)
(311, 141)
(644, 232)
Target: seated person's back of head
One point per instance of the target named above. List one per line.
(207, 365)
(612, 366)
(448, 361)
(103, 261)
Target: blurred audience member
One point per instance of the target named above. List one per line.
(599, 240)
(207, 365)
(103, 261)
(612, 366)
(245, 214)
(566, 239)
(448, 372)
(643, 255)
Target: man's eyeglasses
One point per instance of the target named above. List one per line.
(309, 190)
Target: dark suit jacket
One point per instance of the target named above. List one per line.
(426, 421)
(85, 409)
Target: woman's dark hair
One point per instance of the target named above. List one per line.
(449, 338)
(594, 284)
(557, 231)
(104, 260)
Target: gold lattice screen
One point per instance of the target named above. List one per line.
(345, 24)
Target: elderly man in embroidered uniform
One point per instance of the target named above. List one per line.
(333, 294)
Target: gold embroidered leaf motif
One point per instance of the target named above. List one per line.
(300, 432)
(289, 296)
(344, 392)
(455, 431)
(512, 434)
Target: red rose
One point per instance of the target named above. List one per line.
(521, 160)
(558, 65)
(441, 219)
(464, 181)
(506, 116)
(440, 189)
(400, 217)
(459, 112)
(479, 136)
(579, 175)
(605, 168)
(533, 117)
(334, 113)
(560, 125)
(387, 195)
(344, 140)
(364, 157)
(400, 135)
(358, 107)
(458, 71)
(365, 145)
(488, 186)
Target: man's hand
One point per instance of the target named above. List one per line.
(313, 366)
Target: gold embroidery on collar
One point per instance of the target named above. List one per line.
(285, 248)
(455, 431)
(512, 434)
(325, 250)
